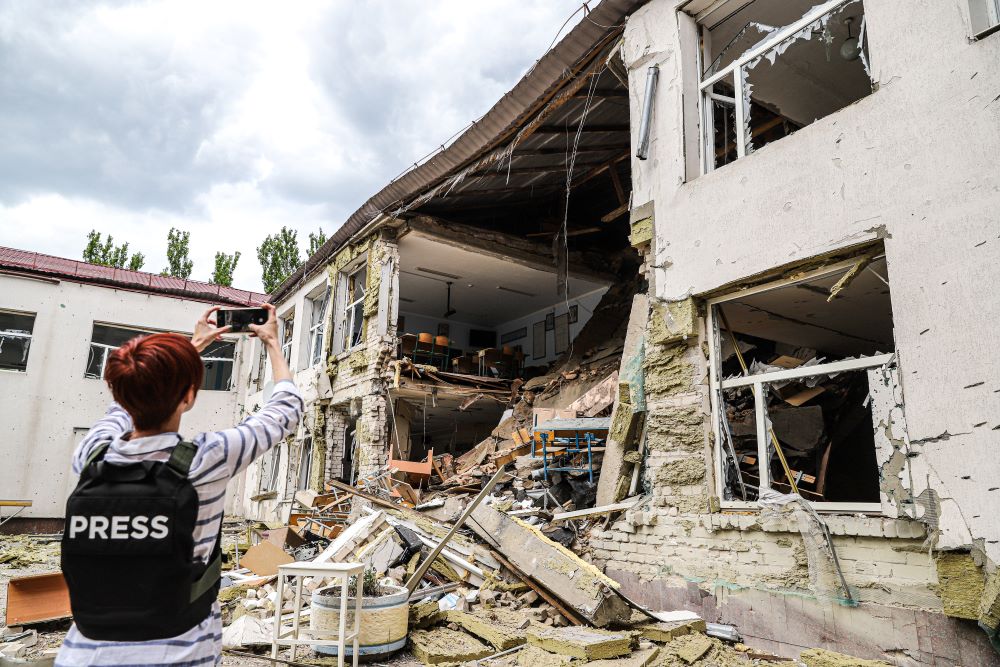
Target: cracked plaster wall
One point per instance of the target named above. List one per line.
(913, 164)
(349, 378)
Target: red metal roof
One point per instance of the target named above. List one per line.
(79, 271)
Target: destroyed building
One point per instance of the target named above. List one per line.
(776, 223)
(59, 319)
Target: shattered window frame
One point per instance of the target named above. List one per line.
(209, 357)
(736, 73)
(759, 384)
(287, 333)
(24, 336)
(984, 16)
(219, 365)
(317, 325)
(305, 463)
(353, 318)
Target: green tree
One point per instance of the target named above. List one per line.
(225, 265)
(179, 264)
(279, 257)
(138, 259)
(106, 253)
(315, 241)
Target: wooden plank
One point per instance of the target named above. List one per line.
(15, 503)
(595, 511)
(37, 598)
(567, 613)
(419, 574)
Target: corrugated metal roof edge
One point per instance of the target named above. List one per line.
(548, 73)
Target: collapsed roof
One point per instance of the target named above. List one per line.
(521, 151)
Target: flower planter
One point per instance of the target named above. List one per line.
(384, 621)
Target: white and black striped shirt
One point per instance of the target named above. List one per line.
(220, 456)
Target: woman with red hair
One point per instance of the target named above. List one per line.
(119, 619)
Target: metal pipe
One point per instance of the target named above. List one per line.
(652, 74)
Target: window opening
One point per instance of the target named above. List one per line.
(269, 465)
(775, 67)
(15, 340)
(985, 15)
(317, 325)
(353, 317)
(305, 463)
(287, 329)
(790, 369)
(217, 357)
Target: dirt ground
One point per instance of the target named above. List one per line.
(35, 554)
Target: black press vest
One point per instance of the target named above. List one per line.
(128, 550)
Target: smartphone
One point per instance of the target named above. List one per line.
(240, 318)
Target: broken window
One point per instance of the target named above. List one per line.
(776, 66)
(985, 15)
(260, 365)
(317, 306)
(790, 384)
(305, 463)
(103, 340)
(287, 329)
(269, 465)
(217, 357)
(353, 317)
(218, 360)
(15, 340)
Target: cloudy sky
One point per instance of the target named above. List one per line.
(231, 119)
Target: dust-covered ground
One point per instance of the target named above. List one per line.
(22, 555)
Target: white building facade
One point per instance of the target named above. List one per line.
(58, 320)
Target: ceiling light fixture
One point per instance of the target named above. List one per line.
(515, 291)
(851, 48)
(439, 273)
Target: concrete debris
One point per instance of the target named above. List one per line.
(817, 657)
(577, 583)
(441, 646)
(693, 648)
(641, 658)
(665, 632)
(581, 642)
(503, 629)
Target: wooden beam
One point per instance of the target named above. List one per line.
(594, 511)
(619, 190)
(602, 92)
(592, 127)
(615, 214)
(422, 570)
(493, 172)
(596, 148)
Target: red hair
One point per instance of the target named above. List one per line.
(150, 375)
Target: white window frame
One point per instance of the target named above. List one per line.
(259, 365)
(269, 465)
(736, 72)
(287, 335)
(347, 314)
(19, 334)
(305, 463)
(317, 325)
(106, 349)
(759, 384)
(984, 17)
(225, 360)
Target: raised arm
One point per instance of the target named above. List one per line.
(115, 423)
(236, 448)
